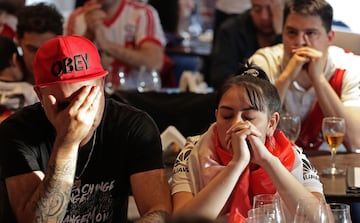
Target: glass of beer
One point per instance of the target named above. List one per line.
(333, 130)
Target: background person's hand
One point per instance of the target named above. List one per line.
(94, 17)
(277, 8)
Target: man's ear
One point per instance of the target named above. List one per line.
(273, 123)
(14, 60)
(331, 36)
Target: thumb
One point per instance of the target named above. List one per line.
(49, 103)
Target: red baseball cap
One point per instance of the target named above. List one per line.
(67, 59)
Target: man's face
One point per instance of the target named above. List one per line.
(30, 43)
(300, 31)
(262, 16)
(65, 93)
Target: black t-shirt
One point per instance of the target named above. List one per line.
(127, 142)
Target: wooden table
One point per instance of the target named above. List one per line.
(335, 186)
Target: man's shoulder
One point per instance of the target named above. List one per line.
(271, 54)
(275, 49)
(123, 112)
(30, 121)
(340, 54)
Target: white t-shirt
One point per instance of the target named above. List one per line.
(133, 24)
(299, 101)
(187, 175)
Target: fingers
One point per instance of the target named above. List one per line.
(246, 128)
(308, 52)
(86, 101)
(240, 130)
(92, 7)
(94, 16)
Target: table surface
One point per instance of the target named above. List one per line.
(335, 186)
(195, 48)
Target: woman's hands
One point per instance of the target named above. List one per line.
(244, 140)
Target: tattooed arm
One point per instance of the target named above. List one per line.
(43, 197)
(35, 197)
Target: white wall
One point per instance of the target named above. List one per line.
(64, 6)
(348, 12)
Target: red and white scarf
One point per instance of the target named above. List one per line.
(251, 182)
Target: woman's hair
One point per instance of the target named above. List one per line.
(311, 8)
(7, 49)
(262, 94)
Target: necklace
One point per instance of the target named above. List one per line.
(77, 181)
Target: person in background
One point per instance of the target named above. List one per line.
(88, 153)
(180, 24)
(33, 30)
(128, 31)
(241, 155)
(225, 9)
(14, 93)
(313, 78)
(7, 19)
(240, 36)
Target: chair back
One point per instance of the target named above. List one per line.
(347, 40)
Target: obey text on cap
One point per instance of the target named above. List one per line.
(69, 64)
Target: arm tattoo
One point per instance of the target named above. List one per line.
(158, 216)
(54, 195)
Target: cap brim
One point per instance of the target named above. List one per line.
(75, 80)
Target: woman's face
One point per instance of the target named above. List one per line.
(235, 106)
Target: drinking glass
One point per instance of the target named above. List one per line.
(333, 130)
(340, 212)
(148, 80)
(291, 126)
(264, 214)
(269, 205)
(311, 210)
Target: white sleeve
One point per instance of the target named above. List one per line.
(305, 172)
(149, 27)
(180, 178)
(270, 60)
(350, 93)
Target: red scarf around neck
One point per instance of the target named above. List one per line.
(253, 182)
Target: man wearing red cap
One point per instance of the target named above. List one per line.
(76, 156)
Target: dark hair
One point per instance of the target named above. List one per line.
(39, 18)
(311, 8)
(7, 7)
(7, 49)
(262, 94)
